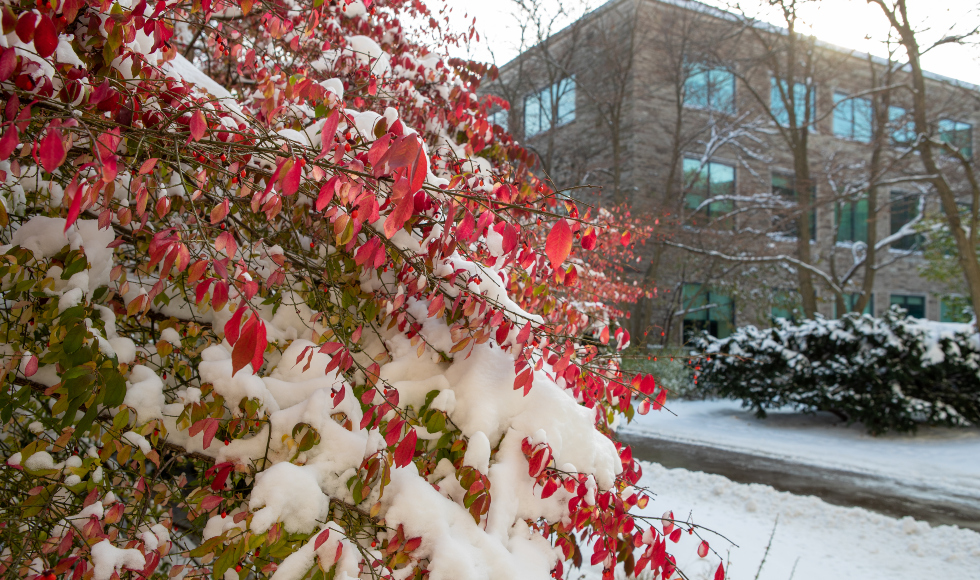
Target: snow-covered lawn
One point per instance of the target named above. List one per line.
(944, 460)
(813, 540)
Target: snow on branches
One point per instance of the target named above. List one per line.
(279, 302)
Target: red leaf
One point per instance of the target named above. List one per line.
(550, 487)
(400, 195)
(510, 238)
(290, 183)
(661, 399)
(379, 148)
(412, 545)
(198, 125)
(464, 231)
(339, 397)
(75, 210)
(675, 536)
(244, 349)
(211, 502)
(10, 137)
(604, 335)
(589, 239)
(209, 432)
(8, 62)
(233, 326)
(524, 333)
(52, 150)
(720, 572)
(45, 37)
(260, 343)
(559, 243)
(625, 239)
(644, 407)
(406, 449)
(329, 130)
(219, 480)
(25, 26)
(703, 549)
(321, 537)
(403, 152)
(647, 384)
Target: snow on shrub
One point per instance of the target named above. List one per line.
(279, 301)
(890, 373)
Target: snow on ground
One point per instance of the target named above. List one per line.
(944, 460)
(813, 540)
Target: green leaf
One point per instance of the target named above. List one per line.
(115, 389)
(436, 423)
(74, 339)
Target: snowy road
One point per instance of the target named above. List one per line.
(885, 495)
(813, 540)
(933, 475)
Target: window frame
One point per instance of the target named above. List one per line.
(957, 127)
(851, 212)
(559, 90)
(775, 99)
(845, 110)
(792, 194)
(709, 86)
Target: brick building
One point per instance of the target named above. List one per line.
(779, 168)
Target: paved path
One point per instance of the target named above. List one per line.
(840, 487)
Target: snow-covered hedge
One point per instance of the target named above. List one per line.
(890, 373)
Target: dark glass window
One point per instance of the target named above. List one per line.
(957, 134)
(851, 300)
(852, 221)
(904, 208)
(709, 180)
(784, 185)
(709, 311)
(914, 305)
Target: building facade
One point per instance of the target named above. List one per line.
(779, 169)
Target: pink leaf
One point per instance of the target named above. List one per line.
(233, 326)
(8, 62)
(210, 502)
(290, 183)
(31, 367)
(244, 349)
(210, 430)
(258, 356)
(148, 165)
(559, 243)
(703, 549)
(720, 572)
(625, 239)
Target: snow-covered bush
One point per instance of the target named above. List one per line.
(890, 373)
(279, 301)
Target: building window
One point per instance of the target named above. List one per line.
(850, 302)
(710, 88)
(801, 96)
(709, 180)
(786, 304)
(902, 127)
(852, 221)
(958, 135)
(550, 107)
(852, 118)
(704, 310)
(914, 305)
(784, 185)
(905, 208)
(499, 118)
(954, 308)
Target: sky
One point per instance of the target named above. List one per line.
(852, 24)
